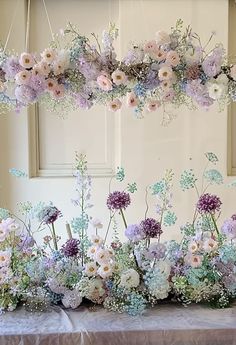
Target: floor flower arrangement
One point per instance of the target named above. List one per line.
(173, 68)
(123, 277)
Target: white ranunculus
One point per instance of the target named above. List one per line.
(129, 279)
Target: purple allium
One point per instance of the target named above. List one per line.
(208, 203)
(11, 67)
(212, 63)
(156, 251)
(49, 214)
(134, 233)
(71, 247)
(229, 228)
(151, 228)
(118, 200)
(25, 94)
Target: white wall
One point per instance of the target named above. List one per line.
(146, 149)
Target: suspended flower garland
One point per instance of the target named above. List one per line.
(172, 69)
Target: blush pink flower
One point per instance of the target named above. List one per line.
(210, 245)
(153, 105)
(119, 77)
(193, 247)
(48, 55)
(132, 100)
(195, 261)
(159, 54)
(22, 77)
(59, 91)
(166, 85)
(172, 58)
(114, 105)
(165, 73)
(150, 47)
(104, 83)
(51, 84)
(26, 60)
(41, 68)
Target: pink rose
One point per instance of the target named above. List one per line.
(114, 105)
(104, 83)
(153, 105)
(59, 91)
(150, 47)
(172, 58)
(132, 100)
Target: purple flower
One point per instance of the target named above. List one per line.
(208, 203)
(37, 83)
(83, 101)
(196, 90)
(229, 228)
(71, 247)
(49, 214)
(26, 242)
(151, 228)
(156, 251)
(25, 94)
(118, 200)
(89, 69)
(134, 233)
(11, 67)
(212, 63)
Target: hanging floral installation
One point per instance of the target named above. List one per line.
(172, 69)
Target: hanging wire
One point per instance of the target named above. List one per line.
(27, 28)
(49, 23)
(11, 26)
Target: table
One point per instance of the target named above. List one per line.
(162, 325)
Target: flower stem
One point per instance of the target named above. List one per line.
(214, 222)
(123, 217)
(108, 227)
(54, 237)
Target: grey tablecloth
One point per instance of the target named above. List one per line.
(163, 325)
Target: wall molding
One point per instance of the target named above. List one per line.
(106, 168)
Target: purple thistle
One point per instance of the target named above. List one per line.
(71, 247)
(151, 228)
(49, 214)
(208, 203)
(118, 200)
